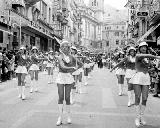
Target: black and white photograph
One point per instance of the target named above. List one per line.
(79, 63)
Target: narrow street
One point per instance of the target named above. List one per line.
(99, 107)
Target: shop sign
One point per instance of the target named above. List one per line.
(154, 7)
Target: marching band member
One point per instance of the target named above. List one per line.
(86, 68)
(50, 66)
(65, 80)
(141, 81)
(75, 75)
(130, 71)
(22, 71)
(34, 69)
(120, 72)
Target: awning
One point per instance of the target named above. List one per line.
(148, 32)
(57, 40)
(37, 31)
(19, 3)
(32, 2)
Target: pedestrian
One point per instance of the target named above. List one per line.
(67, 65)
(34, 69)
(21, 71)
(50, 66)
(120, 72)
(1, 59)
(141, 81)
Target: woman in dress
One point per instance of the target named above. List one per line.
(141, 81)
(34, 69)
(21, 71)
(50, 66)
(65, 80)
(120, 72)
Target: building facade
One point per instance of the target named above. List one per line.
(144, 19)
(114, 35)
(29, 23)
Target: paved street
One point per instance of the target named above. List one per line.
(100, 107)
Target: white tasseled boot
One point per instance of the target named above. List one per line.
(69, 121)
(72, 96)
(19, 91)
(85, 80)
(129, 99)
(120, 89)
(23, 93)
(132, 97)
(137, 120)
(35, 86)
(59, 121)
(143, 122)
(31, 86)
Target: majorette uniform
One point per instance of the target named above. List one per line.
(35, 62)
(22, 62)
(86, 70)
(121, 68)
(51, 63)
(130, 66)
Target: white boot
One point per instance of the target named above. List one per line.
(85, 80)
(59, 122)
(19, 91)
(132, 97)
(120, 89)
(35, 86)
(23, 93)
(129, 99)
(72, 96)
(69, 121)
(137, 120)
(143, 122)
(31, 86)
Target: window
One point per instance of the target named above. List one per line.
(107, 43)
(1, 37)
(116, 33)
(49, 15)
(122, 27)
(44, 10)
(117, 42)
(117, 27)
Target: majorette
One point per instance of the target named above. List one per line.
(21, 71)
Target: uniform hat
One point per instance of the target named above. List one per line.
(65, 42)
(22, 47)
(74, 48)
(121, 52)
(132, 48)
(143, 44)
(50, 51)
(34, 47)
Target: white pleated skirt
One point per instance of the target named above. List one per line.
(64, 78)
(34, 67)
(140, 78)
(77, 72)
(21, 69)
(130, 73)
(120, 71)
(50, 65)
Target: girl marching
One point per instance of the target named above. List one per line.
(141, 81)
(120, 73)
(65, 80)
(34, 69)
(130, 71)
(21, 71)
(50, 66)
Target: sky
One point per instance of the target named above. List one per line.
(118, 4)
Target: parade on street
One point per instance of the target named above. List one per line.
(79, 64)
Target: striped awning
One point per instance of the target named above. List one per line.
(19, 3)
(148, 32)
(31, 2)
